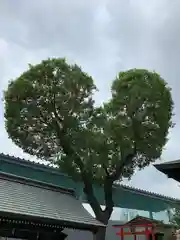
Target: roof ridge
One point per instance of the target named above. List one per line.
(52, 168)
(33, 163)
(14, 158)
(148, 192)
(35, 183)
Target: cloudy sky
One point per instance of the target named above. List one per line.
(104, 37)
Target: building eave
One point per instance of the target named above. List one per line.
(54, 170)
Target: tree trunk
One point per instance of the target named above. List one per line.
(101, 234)
(103, 218)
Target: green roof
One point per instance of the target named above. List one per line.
(123, 196)
(30, 199)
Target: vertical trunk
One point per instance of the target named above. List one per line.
(101, 215)
(101, 234)
(104, 218)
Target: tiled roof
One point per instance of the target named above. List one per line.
(48, 168)
(148, 193)
(35, 201)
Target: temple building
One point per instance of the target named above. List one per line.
(34, 210)
(40, 202)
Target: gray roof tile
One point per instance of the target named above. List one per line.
(36, 201)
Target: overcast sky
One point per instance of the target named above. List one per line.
(104, 37)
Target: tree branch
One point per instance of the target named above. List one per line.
(92, 200)
(105, 169)
(108, 184)
(127, 159)
(124, 162)
(108, 195)
(69, 151)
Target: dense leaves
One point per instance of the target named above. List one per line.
(176, 217)
(141, 108)
(50, 113)
(41, 101)
(52, 104)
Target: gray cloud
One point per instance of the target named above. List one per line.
(104, 38)
(46, 24)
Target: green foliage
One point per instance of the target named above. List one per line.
(176, 217)
(50, 113)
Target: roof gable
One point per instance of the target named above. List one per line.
(139, 220)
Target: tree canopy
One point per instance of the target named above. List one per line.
(50, 113)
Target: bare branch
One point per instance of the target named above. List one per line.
(105, 169)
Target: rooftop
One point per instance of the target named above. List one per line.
(33, 200)
(124, 196)
(171, 169)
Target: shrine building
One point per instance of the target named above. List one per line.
(40, 202)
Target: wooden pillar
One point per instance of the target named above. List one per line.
(146, 233)
(153, 234)
(122, 234)
(135, 236)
